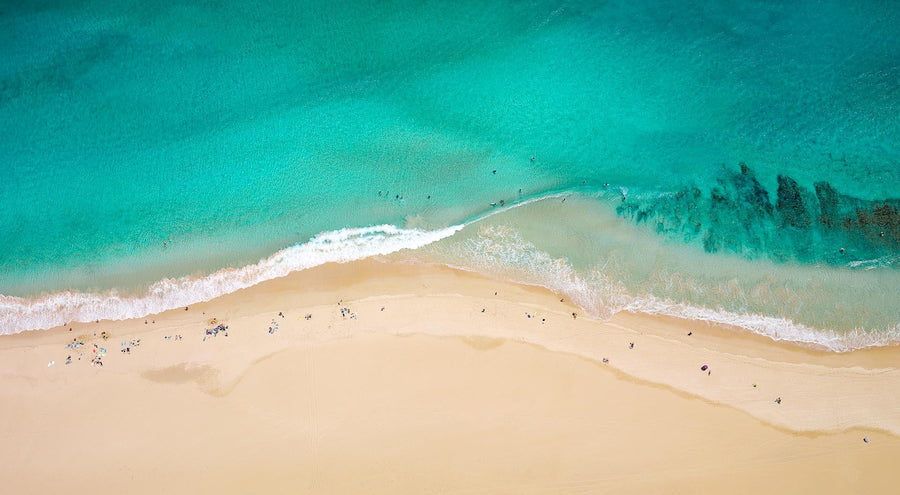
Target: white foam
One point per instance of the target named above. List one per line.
(883, 262)
(495, 250)
(340, 246)
(59, 308)
(778, 329)
(502, 252)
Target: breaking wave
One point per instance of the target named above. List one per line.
(500, 251)
(340, 246)
(494, 250)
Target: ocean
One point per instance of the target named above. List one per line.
(736, 162)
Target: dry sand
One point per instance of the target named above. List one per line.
(432, 394)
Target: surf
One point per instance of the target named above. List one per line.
(339, 246)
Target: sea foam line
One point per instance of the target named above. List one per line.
(776, 328)
(339, 246)
(501, 252)
(607, 299)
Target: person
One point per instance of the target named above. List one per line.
(778, 400)
(631, 345)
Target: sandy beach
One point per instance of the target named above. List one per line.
(378, 376)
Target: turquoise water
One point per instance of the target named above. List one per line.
(146, 146)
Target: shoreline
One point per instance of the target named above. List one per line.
(352, 244)
(364, 282)
(812, 345)
(830, 400)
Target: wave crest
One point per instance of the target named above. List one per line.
(339, 246)
(503, 252)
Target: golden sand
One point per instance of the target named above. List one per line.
(429, 382)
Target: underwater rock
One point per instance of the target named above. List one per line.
(828, 204)
(752, 192)
(790, 204)
(737, 216)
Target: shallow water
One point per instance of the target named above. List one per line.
(146, 142)
(581, 249)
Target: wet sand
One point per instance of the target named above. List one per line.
(413, 388)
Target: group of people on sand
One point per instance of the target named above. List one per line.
(214, 332)
(126, 347)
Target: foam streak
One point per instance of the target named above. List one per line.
(340, 246)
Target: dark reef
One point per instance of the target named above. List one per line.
(737, 216)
